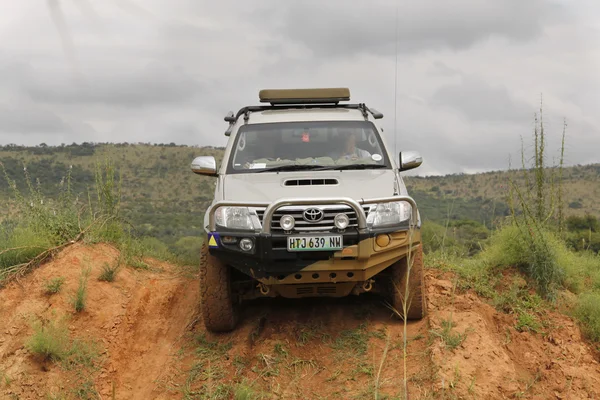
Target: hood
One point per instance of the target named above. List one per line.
(269, 186)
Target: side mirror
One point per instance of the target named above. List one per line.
(410, 160)
(204, 165)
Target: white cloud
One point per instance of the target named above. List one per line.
(470, 72)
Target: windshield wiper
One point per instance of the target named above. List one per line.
(291, 167)
(353, 166)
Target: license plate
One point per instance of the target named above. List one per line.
(315, 243)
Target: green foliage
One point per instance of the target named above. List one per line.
(108, 189)
(473, 273)
(54, 285)
(246, 391)
(211, 350)
(537, 209)
(19, 245)
(79, 299)
(109, 272)
(50, 340)
(585, 223)
(459, 238)
(583, 233)
(456, 206)
(352, 342)
(588, 312)
(446, 333)
(38, 225)
(188, 249)
(527, 322)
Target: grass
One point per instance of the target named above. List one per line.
(246, 391)
(5, 379)
(79, 298)
(450, 339)
(588, 312)
(51, 341)
(54, 285)
(211, 350)
(351, 342)
(527, 322)
(109, 272)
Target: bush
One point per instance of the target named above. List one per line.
(54, 285)
(20, 244)
(188, 249)
(109, 272)
(50, 340)
(79, 299)
(538, 254)
(588, 312)
(460, 238)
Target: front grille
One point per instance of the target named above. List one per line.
(325, 225)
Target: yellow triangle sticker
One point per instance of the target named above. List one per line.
(212, 242)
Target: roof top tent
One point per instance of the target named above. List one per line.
(304, 96)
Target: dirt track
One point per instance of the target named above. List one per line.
(152, 344)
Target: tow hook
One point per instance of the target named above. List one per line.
(264, 289)
(368, 285)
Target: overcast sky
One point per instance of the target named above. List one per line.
(470, 73)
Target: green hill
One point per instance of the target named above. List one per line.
(482, 197)
(162, 198)
(160, 195)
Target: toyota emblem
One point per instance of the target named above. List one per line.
(313, 215)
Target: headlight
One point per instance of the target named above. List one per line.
(234, 218)
(386, 214)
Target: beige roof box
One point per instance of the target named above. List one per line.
(301, 96)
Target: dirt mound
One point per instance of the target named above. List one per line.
(495, 360)
(137, 322)
(151, 344)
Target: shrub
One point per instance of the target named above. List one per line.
(54, 285)
(79, 299)
(49, 340)
(109, 272)
(588, 312)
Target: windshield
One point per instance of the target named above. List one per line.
(293, 146)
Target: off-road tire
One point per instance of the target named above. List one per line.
(217, 302)
(416, 285)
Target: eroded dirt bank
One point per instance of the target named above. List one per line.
(151, 344)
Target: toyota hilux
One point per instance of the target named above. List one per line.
(309, 202)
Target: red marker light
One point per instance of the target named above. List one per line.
(305, 137)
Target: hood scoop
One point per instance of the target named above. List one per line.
(310, 182)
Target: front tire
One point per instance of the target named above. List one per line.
(400, 273)
(217, 301)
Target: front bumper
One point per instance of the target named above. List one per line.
(269, 260)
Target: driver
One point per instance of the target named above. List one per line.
(348, 149)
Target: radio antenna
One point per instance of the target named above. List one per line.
(396, 91)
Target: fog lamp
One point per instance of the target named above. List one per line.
(341, 221)
(287, 222)
(383, 240)
(246, 244)
(229, 240)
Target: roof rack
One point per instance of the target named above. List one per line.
(282, 99)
